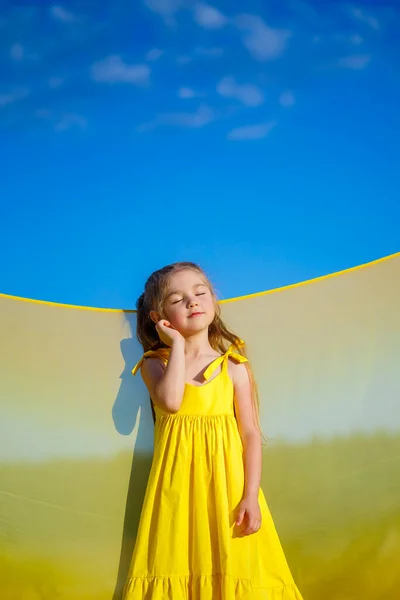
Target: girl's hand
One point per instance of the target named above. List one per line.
(167, 333)
(249, 516)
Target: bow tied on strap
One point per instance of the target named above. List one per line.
(162, 353)
(223, 359)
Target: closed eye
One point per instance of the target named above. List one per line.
(180, 300)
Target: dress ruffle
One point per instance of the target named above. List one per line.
(205, 587)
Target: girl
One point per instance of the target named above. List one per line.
(205, 531)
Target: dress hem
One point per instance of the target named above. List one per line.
(199, 587)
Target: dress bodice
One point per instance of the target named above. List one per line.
(212, 398)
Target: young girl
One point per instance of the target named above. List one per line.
(205, 531)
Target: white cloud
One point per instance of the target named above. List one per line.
(69, 120)
(355, 62)
(251, 132)
(43, 113)
(154, 54)
(202, 116)
(209, 17)
(344, 38)
(14, 96)
(356, 39)
(184, 59)
(192, 120)
(165, 8)
(61, 14)
(365, 17)
(211, 52)
(263, 42)
(248, 94)
(55, 82)
(17, 52)
(113, 70)
(187, 93)
(200, 51)
(286, 99)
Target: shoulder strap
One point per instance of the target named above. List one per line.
(223, 359)
(162, 353)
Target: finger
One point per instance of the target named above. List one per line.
(163, 324)
(240, 517)
(250, 527)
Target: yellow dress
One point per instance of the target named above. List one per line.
(187, 547)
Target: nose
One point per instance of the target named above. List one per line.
(193, 302)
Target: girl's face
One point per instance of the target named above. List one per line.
(189, 302)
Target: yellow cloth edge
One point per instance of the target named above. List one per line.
(246, 297)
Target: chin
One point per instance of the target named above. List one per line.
(203, 323)
(197, 324)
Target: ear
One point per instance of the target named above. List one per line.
(155, 316)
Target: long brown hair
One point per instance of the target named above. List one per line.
(219, 335)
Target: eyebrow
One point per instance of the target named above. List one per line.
(177, 292)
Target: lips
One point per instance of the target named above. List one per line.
(196, 314)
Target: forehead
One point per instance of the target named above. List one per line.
(186, 279)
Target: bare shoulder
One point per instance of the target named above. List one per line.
(243, 397)
(152, 369)
(239, 373)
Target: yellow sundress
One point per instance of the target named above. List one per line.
(187, 547)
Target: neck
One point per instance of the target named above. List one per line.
(197, 344)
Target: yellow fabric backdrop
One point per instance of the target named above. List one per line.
(76, 437)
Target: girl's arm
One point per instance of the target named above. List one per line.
(249, 517)
(166, 385)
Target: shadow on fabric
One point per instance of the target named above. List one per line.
(130, 412)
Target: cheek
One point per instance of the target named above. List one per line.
(210, 306)
(173, 314)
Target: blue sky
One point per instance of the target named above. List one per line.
(259, 139)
